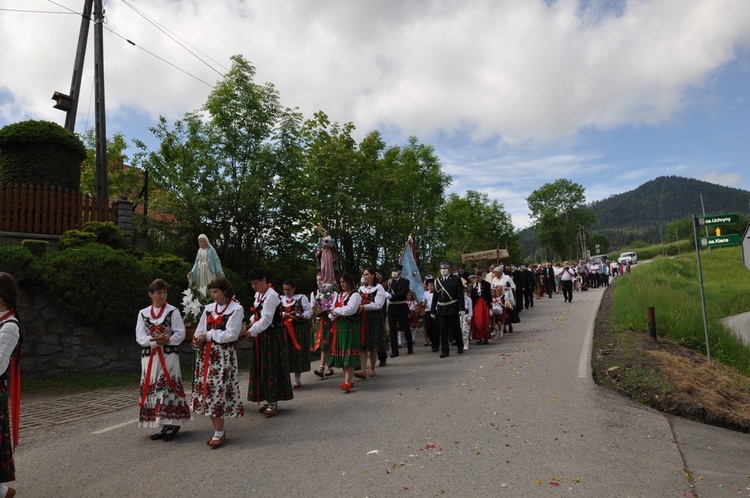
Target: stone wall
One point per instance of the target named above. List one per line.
(53, 344)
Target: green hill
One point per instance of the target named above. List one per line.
(640, 214)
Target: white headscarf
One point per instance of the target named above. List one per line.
(203, 236)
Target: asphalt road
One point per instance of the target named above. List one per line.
(520, 417)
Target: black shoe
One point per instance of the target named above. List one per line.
(172, 431)
(479, 342)
(460, 350)
(443, 355)
(409, 351)
(435, 350)
(485, 341)
(159, 435)
(382, 363)
(394, 355)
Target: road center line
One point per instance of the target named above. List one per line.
(113, 427)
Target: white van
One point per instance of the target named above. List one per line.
(628, 256)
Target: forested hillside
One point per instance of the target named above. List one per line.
(641, 213)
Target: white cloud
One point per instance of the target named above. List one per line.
(520, 70)
(723, 178)
(512, 82)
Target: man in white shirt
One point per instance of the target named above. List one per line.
(567, 276)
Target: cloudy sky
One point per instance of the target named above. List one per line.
(512, 94)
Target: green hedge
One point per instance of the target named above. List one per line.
(76, 238)
(16, 260)
(36, 247)
(98, 284)
(40, 153)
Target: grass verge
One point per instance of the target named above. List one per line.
(672, 373)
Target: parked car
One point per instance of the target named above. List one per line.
(628, 256)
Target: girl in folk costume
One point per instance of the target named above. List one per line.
(216, 386)
(160, 330)
(322, 301)
(296, 313)
(501, 311)
(269, 359)
(345, 331)
(481, 296)
(466, 318)
(10, 339)
(372, 328)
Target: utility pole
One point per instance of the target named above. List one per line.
(102, 186)
(69, 103)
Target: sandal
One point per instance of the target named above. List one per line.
(360, 375)
(329, 372)
(372, 373)
(346, 386)
(270, 411)
(297, 384)
(319, 372)
(263, 408)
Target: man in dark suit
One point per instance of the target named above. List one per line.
(528, 284)
(398, 310)
(447, 305)
(549, 278)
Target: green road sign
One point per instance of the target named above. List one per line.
(716, 219)
(724, 240)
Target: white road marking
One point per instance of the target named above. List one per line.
(584, 362)
(113, 427)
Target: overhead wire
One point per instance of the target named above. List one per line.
(138, 46)
(37, 11)
(177, 39)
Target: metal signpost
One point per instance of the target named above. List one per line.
(709, 242)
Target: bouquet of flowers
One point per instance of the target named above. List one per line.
(193, 302)
(324, 299)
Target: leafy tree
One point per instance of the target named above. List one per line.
(559, 213)
(474, 223)
(123, 180)
(220, 168)
(601, 241)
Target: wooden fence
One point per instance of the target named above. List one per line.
(48, 210)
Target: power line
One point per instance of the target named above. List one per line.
(137, 46)
(37, 11)
(177, 39)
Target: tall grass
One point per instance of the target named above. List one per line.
(671, 286)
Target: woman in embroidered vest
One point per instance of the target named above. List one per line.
(296, 313)
(372, 329)
(160, 330)
(10, 338)
(269, 359)
(216, 385)
(345, 331)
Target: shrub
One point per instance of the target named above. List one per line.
(36, 247)
(76, 238)
(16, 260)
(107, 233)
(40, 153)
(172, 269)
(99, 285)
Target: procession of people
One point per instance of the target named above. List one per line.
(350, 326)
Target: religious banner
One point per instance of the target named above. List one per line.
(494, 254)
(411, 270)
